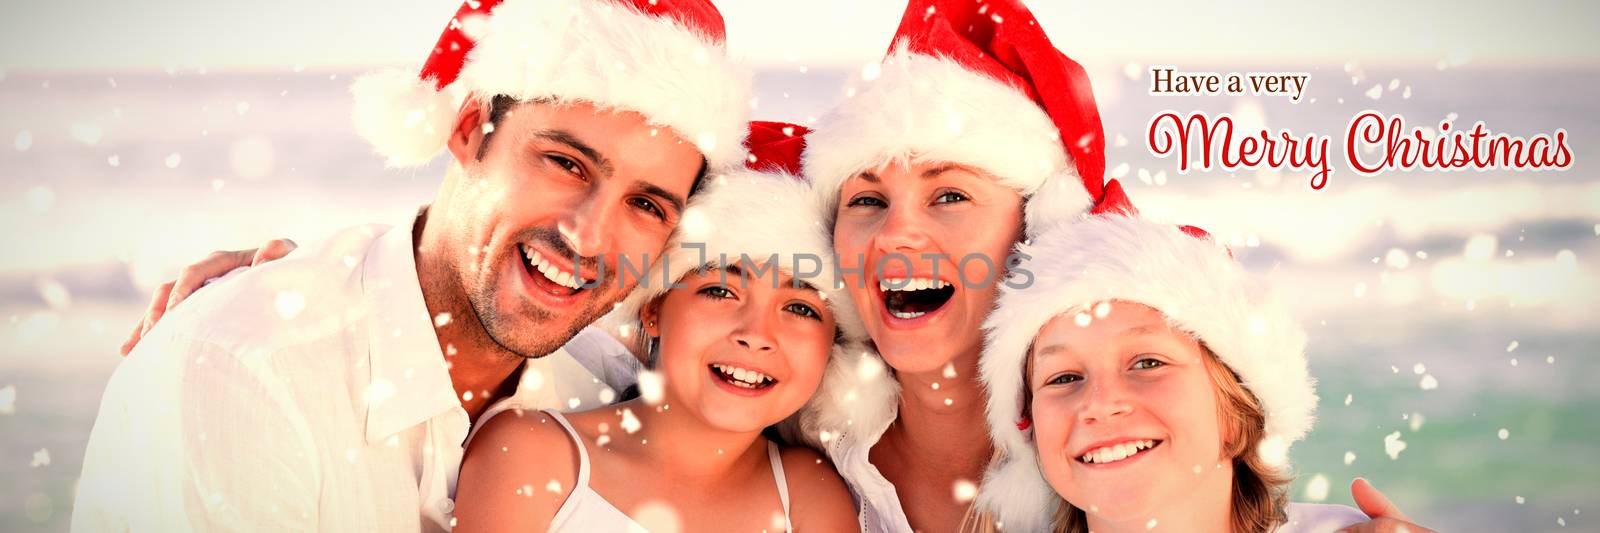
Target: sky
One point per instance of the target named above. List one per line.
(103, 35)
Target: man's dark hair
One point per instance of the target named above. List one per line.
(502, 104)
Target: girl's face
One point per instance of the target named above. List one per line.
(741, 350)
(1125, 413)
(923, 248)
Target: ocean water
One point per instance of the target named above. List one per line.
(1453, 312)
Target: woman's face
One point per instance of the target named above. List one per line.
(1124, 413)
(742, 350)
(923, 247)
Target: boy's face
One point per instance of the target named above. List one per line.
(557, 182)
(1125, 414)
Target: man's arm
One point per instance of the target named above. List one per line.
(191, 437)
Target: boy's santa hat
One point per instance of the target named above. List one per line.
(976, 83)
(1112, 254)
(754, 214)
(664, 59)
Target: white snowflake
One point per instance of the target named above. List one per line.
(1317, 488)
(8, 400)
(1392, 445)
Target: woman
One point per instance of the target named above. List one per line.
(739, 341)
(929, 172)
(1147, 380)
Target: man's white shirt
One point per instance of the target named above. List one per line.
(305, 394)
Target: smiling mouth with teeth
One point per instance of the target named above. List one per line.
(907, 298)
(742, 378)
(1117, 452)
(540, 266)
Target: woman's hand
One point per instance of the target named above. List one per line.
(168, 295)
(1386, 517)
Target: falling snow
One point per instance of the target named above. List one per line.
(289, 304)
(1392, 445)
(965, 491)
(40, 458)
(651, 388)
(1428, 382)
(630, 423)
(1317, 488)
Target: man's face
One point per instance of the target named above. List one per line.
(548, 205)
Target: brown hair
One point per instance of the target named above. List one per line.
(1260, 490)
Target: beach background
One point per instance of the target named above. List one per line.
(1454, 316)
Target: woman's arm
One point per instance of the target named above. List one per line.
(818, 498)
(516, 473)
(168, 295)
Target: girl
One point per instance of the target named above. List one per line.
(1145, 380)
(738, 340)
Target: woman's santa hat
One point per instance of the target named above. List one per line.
(755, 214)
(976, 83)
(664, 59)
(970, 82)
(1113, 254)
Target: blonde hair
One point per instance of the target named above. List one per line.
(1260, 490)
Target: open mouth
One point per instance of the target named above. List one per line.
(908, 298)
(1118, 452)
(547, 276)
(741, 377)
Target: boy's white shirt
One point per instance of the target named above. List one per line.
(307, 394)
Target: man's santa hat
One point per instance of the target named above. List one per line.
(1113, 254)
(664, 59)
(754, 214)
(976, 83)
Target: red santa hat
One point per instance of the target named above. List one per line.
(759, 212)
(977, 83)
(664, 59)
(1113, 254)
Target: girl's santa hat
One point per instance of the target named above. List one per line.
(759, 214)
(1112, 254)
(664, 59)
(977, 83)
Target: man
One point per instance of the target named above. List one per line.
(333, 390)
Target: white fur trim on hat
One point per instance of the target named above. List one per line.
(1193, 281)
(750, 215)
(603, 53)
(858, 398)
(934, 109)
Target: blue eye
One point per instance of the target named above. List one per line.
(1064, 379)
(950, 197)
(1148, 363)
(803, 310)
(716, 292)
(866, 201)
